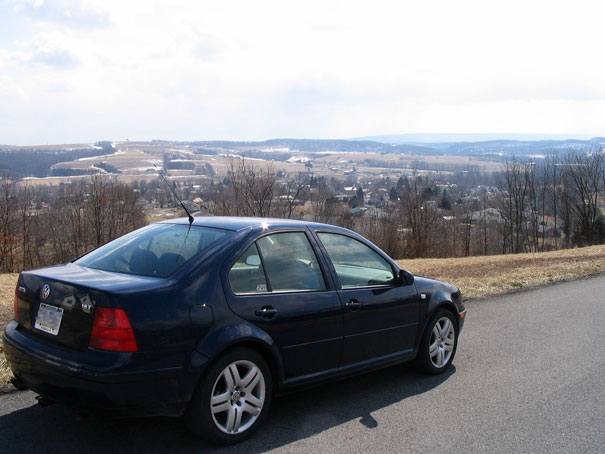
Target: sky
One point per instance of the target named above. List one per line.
(75, 71)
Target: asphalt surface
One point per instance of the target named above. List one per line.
(528, 377)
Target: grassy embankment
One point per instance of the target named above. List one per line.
(7, 296)
(475, 276)
(478, 277)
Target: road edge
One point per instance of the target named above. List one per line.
(529, 289)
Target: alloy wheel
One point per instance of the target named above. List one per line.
(238, 396)
(442, 342)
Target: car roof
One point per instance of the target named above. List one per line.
(238, 223)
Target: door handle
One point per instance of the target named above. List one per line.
(266, 312)
(353, 305)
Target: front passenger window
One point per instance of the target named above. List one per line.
(356, 264)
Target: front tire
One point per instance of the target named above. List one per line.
(439, 343)
(232, 398)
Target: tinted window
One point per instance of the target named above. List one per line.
(156, 250)
(247, 274)
(290, 262)
(356, 264)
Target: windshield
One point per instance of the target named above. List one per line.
(156, 250)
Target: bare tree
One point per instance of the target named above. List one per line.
(123, 211)
(95, 208)
(514, 184)
(252, 189)
(418, 213)
(321, 202)
(69, 206)
(8, 238)
(584, 176)
(259, 185)
(27, 215)
(294, 191)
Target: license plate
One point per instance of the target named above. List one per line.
(49, 319)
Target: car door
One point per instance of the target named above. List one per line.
(380, 315)
(279, 284)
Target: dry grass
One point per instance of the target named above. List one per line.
(483, 276)
(475, 276)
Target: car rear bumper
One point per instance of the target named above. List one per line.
(155, 392)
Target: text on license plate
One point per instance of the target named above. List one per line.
(49, 318)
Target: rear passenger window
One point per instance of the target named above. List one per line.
(282, 262)
(247, 274)
(290, 262)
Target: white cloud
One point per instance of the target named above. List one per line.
(252, 70)
(55, 58)
(61, 12)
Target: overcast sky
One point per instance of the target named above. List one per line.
(80, 71)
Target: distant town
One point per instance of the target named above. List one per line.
(437, 199)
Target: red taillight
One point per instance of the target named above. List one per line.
(111, 330)
(16, 303)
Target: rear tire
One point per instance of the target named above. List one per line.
(232, 398)
(439, 343)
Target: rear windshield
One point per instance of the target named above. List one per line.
(156, 250)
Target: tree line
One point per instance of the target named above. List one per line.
(78, 217)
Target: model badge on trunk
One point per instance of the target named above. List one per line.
(86, 304)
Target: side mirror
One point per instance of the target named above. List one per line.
(253, 260)
(405, 277)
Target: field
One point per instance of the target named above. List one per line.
(476, 277)
(136, 160)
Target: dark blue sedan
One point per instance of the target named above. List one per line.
(213, 319)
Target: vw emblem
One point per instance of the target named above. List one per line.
(45, 291)
(235, 397)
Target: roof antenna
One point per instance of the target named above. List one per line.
(184, 208)
(175, 195)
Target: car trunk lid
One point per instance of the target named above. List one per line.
(57, 304)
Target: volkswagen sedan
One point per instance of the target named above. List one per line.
(213, 319)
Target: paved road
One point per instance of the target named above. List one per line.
(528, 377)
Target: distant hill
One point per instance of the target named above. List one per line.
(507, 148)
(391, 144)
(469, 137)
(28, 162)
(19, 162)
(505, 145)
(308, 145)
(317, 145)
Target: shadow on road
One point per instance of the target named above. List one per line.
(292, 417)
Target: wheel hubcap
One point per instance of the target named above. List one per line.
(443, 339)
(237, 397)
